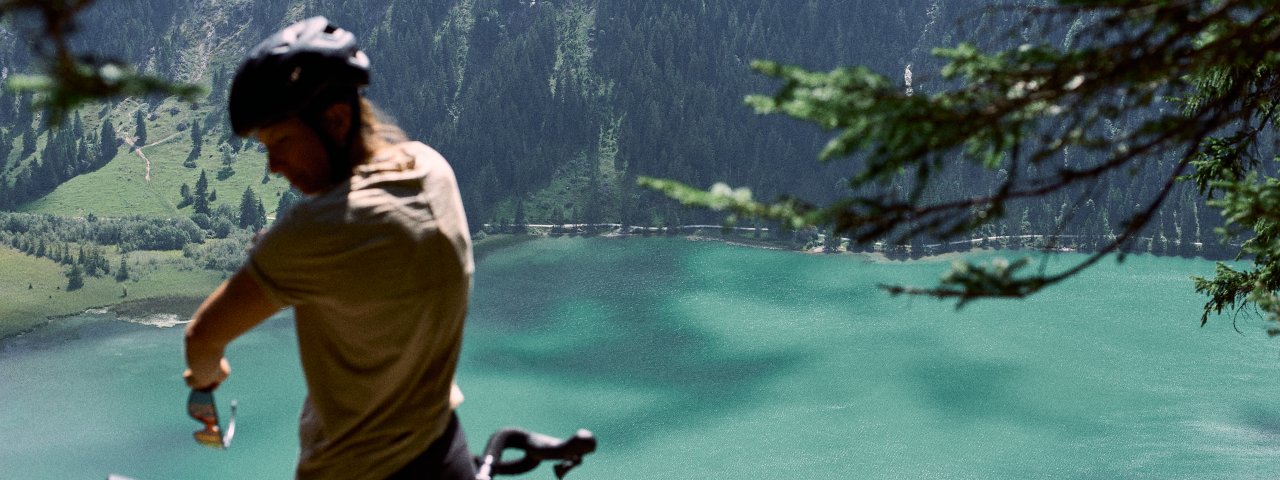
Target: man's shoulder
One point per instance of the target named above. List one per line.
(426, 166)
(427, 159)
(419, 150)
(398, 163)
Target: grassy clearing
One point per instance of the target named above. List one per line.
(34, 289)
(122, 186)
(118, 189)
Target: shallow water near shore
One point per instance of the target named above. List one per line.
(705, 360)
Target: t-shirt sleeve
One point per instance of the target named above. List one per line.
(309, 258)
(277, 258)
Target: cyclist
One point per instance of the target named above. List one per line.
(376, 263)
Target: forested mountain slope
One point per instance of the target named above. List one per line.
(547, 109)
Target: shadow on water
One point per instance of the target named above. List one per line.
(1263, 419)
(607, 321)
(696, 380)
(966, 390)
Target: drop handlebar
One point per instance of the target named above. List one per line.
(537, 448)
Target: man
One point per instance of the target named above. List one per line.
(376, 263)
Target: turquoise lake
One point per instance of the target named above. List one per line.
(707, 360)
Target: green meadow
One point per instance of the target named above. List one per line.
(149, 184)
(33, 290)
(146, 183)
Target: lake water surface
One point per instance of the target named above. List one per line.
(705, 360)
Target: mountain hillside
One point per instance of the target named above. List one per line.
(557, 105)
(548, 110)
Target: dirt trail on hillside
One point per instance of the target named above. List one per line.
(146, 177)
(132, 141)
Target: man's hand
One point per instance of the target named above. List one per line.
(207, 378)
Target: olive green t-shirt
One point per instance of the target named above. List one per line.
(378, 271)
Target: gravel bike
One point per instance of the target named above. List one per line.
(536, 448)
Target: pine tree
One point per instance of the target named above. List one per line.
(45, 123)
(25, 113)
(99, 261)
(227, 161)
(6, 106)
(109, 144)
(1145, 91)
(77, 126)
(252, 215)
(82, 155)
(201, 195)
(75, 278)
(140, 129)
(197, 141)
(122, 273)
(28, 143)
(520, 219)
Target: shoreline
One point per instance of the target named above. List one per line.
(162, 312)
(165, 309)
(33, 290)
(172, 309)
(878, 252)
(182, 306)
(815, 243)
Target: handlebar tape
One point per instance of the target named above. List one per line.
(537, 448)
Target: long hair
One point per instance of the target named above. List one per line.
(377, 130)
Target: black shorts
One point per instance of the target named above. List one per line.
(447, 458)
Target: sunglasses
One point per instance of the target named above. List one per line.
(201, 407)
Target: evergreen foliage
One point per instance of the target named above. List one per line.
(139, 129)
(64, 154)
(1139, 94)
(34, 234)
(227, 170)
(122, 272)
(75, 278)
(557, 105)
(70, 78)
(200, 202)
(28, 143)
(109, 143)
(184, 192)
(197, 141)
(252, 214)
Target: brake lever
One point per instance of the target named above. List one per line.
(564, 467)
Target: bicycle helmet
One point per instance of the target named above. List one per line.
(293, 68)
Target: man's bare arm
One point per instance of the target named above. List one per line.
(236, 306)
